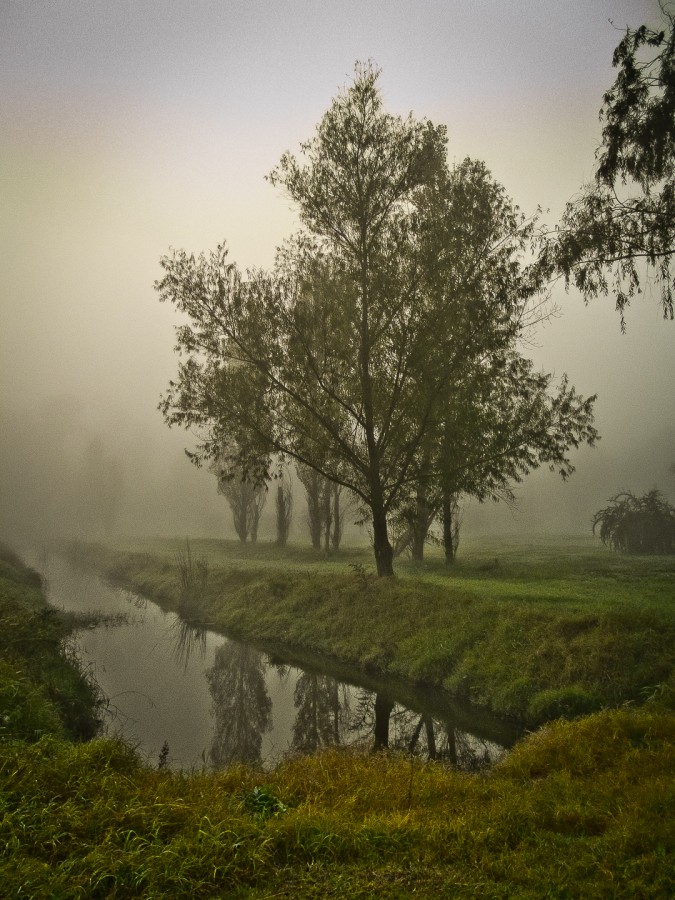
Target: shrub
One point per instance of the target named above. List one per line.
(637, 524)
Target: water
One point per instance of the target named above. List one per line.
(216, 701)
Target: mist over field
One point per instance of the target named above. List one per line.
(129, 128)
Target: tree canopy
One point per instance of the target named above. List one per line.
(407, 284)
(619, 233)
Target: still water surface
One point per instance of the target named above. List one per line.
(216, 701)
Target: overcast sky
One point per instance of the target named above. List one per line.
(131, 126)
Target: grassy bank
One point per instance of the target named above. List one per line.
(578, 809)
(42, 689)
(581, 809)
(531, 632)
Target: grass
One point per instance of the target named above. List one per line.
(42, 687)
(582, 808)
(578, 809)
(526, 631)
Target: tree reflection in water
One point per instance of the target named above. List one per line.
(241, 705)
(323, 707)
(397, 728)
(328, 712)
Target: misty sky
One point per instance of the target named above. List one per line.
(131, 126)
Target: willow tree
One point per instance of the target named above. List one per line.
(342, 358)
(620, 231)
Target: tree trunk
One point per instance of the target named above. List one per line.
(337, 518)
(283, 516)
(240, 523)
(417, 547)
(255, 521)
(448, 543)
(451, 522)
(415, 735)
(451, 753)
(384, 554)
(314, 510)
(420, 526)
(327, 514)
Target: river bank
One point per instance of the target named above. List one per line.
(43, 689)
(530, 634)
(583, 808)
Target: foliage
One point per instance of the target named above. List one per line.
(637, 524)
(499, 423)
(627, 217)
(408, 284)
(577, 809)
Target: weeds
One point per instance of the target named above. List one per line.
(581, 809)
(262, 802)
(193, 575)
(163, 760)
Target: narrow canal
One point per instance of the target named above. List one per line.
(215, 701)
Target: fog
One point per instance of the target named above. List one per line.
(127, 128)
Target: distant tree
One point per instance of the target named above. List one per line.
(337, 517)
(518, 420)
(627, 216)
(284, 509)
(344, 357)
(324, 515)
(315, 492)
(637, 524)
(245, 498)
(101, 487)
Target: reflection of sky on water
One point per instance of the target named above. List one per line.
(217, 701)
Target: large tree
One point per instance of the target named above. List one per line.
(620, 231)
(407, 277)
